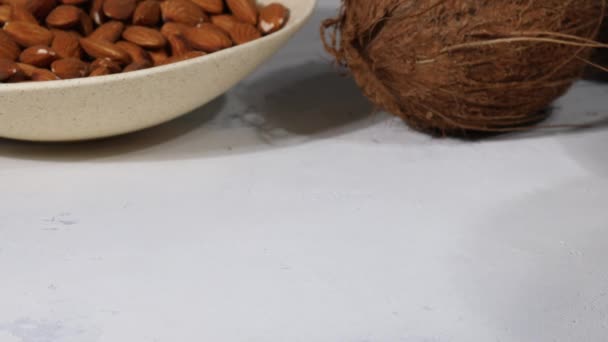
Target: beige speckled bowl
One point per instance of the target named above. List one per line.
(110, 105)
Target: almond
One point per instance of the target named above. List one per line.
(40, 8)
(8, 48)
(96, 12)
(242, 33)
(103, 49)
(27, 69)
(38, 55)
(244, 10)
(178, 45)
(119, 9)
(147, 13)
(101, 71)
(158, 56)
(110, 31)
(272, 18)
(225, 21)
(137, 66)
(5, 13)
(64, 17)
(135, 51)
(43, 75)
(70, 68)
(21, 13)
(144, 36)
(28, 34)
(8, 69)
(172, 28)
(182, 11)
(189, 55)
(210, 6)
(208, 38)
(18, 77)
(74, 2)
(107, 63)
(66, 44)
(86, 24)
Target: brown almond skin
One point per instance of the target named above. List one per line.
(210, 6)
(158, 56)
(103, 49)
(66, 44)
(43, 75)
(144, 36)
(8, 69)
(39, 56)
(101, 71)
(189, 55)
(112, 66)
(147, 13)
(5, 13)
(137, 66)
(39, 8)
(86, 24)
(172, 28)
(207, 38)
(64, 17)
(27, 69)
(21, 13)
(74, 2)
(272, 18)
(182, 11)
(18, 77)
(178, 45)
(110, 31)
(242, 33)
(27, 34)
(244, 10)
(137, 53)
(8, 48)
(70, 68)
(96, 12)
(119, 9)
(225, 21)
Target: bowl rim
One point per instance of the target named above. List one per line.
(291, 27)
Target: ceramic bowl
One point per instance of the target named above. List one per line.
(104, 106)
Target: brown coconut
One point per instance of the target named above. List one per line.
(456, 66)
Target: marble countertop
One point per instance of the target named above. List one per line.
(289, 210)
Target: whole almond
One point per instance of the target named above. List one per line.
(70, 68)
(186, 56)
(210, 6)
(27, 69)
(103, 49)
(182, 11)
(39, 56)
(28, 34)
(137, 66)
(96, 12)
(112, 66)
(224, 21)
(110, 31)
(144, 36)
(137, 54)
(66, 44)
(64, 17)
(242, 33)
(272, 18)
(8, 48)
(8, 69)
(158, 56)
(147, 13)
(119, 9)
(21, 13)
(178, 45)
(101, 71)
(208, 38)
(172, 28)
(5, 13)
(43, 75)
(244, 10)
(74, 2)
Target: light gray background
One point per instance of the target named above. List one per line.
(287, 210)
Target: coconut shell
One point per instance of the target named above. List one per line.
(450, 67)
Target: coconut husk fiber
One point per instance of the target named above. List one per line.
(451, 67)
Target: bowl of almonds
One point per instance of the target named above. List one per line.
(86, 69)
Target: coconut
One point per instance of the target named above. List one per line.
(451, 67)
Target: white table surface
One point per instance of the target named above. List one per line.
(288, 211)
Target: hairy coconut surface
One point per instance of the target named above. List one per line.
(453, 66)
